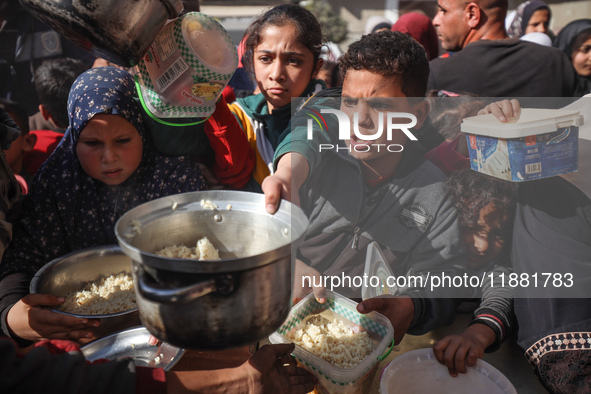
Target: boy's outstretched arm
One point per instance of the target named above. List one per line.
(292, 171)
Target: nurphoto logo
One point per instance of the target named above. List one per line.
(345, 129)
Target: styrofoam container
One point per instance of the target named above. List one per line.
(331, 379)
(418, 371)
(540, 144)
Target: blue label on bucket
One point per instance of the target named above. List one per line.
(525, 158)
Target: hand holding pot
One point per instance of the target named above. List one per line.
(28, 320)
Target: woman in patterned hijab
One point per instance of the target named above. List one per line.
(104, 166)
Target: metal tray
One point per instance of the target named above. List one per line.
(134, 343)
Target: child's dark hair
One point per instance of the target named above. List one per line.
(17, 112)
(53, 80)
(471, 191)
(390, 54)
(308, 29)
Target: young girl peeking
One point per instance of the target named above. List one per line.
(285, 43)
(104, 166)
(486, 209)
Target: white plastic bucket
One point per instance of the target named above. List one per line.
(187, 67)
(540, 144)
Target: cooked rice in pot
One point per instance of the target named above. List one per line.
(203, 250)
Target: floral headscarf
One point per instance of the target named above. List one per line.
(68, 210)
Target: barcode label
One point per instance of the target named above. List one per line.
(533, 168)
(172, 74)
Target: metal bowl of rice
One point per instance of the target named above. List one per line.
(99, 280)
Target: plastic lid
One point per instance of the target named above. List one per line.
(376, 266)
(418, 371)
(211, 44)
(532, 121)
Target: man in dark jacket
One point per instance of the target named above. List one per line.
(482, 60)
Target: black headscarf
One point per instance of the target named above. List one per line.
(565, 41)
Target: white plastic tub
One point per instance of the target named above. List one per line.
(418, 371)
(541, 143)
(331, 379)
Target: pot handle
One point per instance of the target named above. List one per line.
(169, 296)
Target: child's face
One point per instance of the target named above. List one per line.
(371, 96)
(283, 66)
(487, 240)
(538, 22)
(582, 59)
(109, 149)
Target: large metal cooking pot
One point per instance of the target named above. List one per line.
(212, 304)
(120, 31)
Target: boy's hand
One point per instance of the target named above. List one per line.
(27, 320)
(504, 110)
(400, 310)
(457, 352)
(276, 188)
(292, 172)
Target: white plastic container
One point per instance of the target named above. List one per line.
(418, 371)
(540, 144)
(187, 67)
(331, 379)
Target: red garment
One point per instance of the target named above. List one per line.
(447, 158)
(241, 50)
(47, 141)
(229, 94)
(234, 158)
(150, 380)
(419, 27)
(58, 346)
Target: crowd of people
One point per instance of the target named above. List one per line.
(83, 152)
